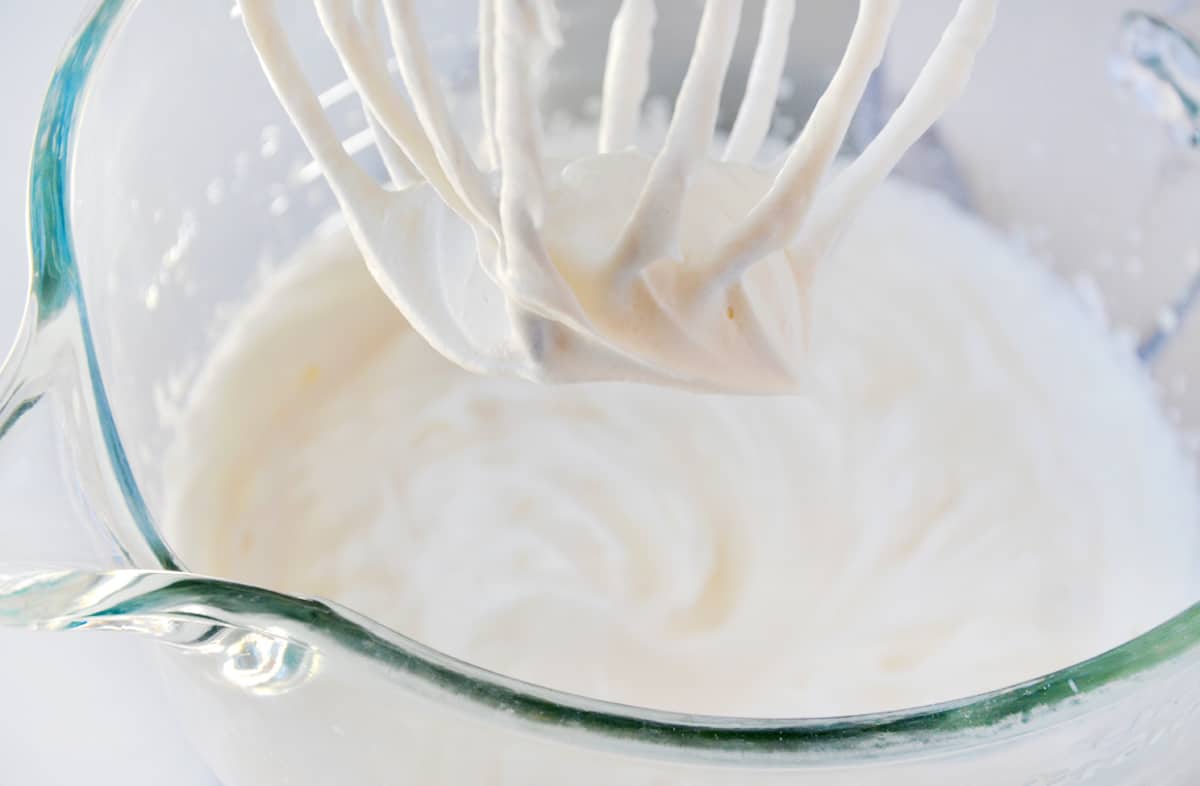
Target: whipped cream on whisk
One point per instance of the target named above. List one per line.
(679, 268)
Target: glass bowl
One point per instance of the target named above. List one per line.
(166, 184)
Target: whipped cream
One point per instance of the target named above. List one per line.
(971, 486)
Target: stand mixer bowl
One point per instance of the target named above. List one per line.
(166, 185)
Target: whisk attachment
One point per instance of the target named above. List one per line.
(680, 268)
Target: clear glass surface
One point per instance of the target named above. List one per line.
(166, 184)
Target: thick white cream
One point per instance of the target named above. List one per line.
(972, 486)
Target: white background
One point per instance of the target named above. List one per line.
(74, 708)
